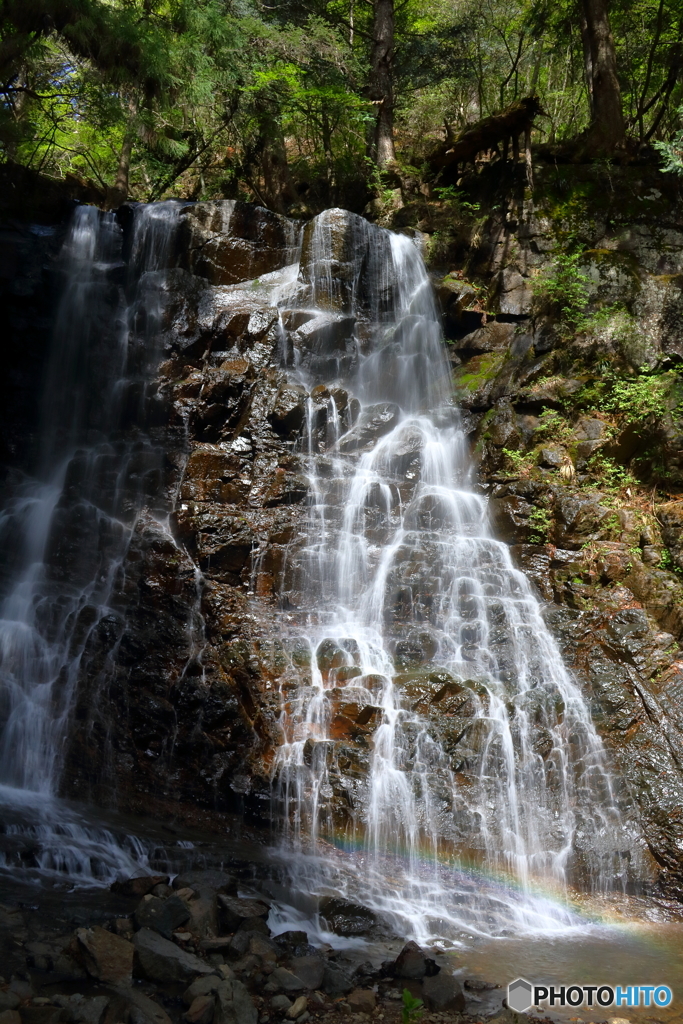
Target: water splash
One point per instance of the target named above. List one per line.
(435, 715)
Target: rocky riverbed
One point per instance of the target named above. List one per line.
(200, 950)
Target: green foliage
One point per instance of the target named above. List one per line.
(636, 400)
(561, 290)
(540, 522)
(456, 200)
(521, 461)
(667, 562)
(553, 425)
(412, 1008)
(271, 102)
(672, 151)
(609, 473)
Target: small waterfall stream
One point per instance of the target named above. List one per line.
(486, 781)
(65, 531)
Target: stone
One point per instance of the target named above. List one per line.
(216, 881)
(286, 980)
(201, 987)
(201, 1010)
(217, 945)
(298, 1007)
(262, 946)
(229, 241)
(239, 944)
(234, 1005)
(203, 914)
(8, 1001)
(412, 963)
(443, 992)
(162, 890)
(10, 1017)
(80, 1010)
(254, 924)
(160, 960)
(346, 918)
(336, 982)
(139, 886)
(362, 1000)
(280, 1003)
(164, 916)
(311, 970)
(107, 957)
(144, 1010)
(232, 911)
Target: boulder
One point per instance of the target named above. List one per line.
(201, 987)
(160, 960)
(107, 957)
(336, 982)
(139, 886)
(310, 969)
(286, 980)
(345, 918)
(280, 1003)
(202, 917)
(201, 1010)
(234, 1004)
(228, 241)
(262, 946)
(164, 916)
(143, 1010)
(443, 992)
(79, 1010)
(412, 963)
(233, 911)
(362, 1000)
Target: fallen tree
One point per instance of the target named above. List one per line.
(488, 134)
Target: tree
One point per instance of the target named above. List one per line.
(381, 83)
(607, 129)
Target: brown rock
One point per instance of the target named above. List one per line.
(10, 1017)
(362, 1000)
(200, 1011)
(107, 957)
(443, 992)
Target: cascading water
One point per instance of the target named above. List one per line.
(65, 532)
(426, 645)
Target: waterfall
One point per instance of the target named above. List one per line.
(65, 531)
(419, 647)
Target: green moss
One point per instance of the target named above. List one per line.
(477, 371)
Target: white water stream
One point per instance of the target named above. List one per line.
(416, 620)
(65, 531)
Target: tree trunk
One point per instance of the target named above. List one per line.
(607, 129)
(123, 170)
(118, 192)
(381, 86)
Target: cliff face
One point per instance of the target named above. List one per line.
(182, 685)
